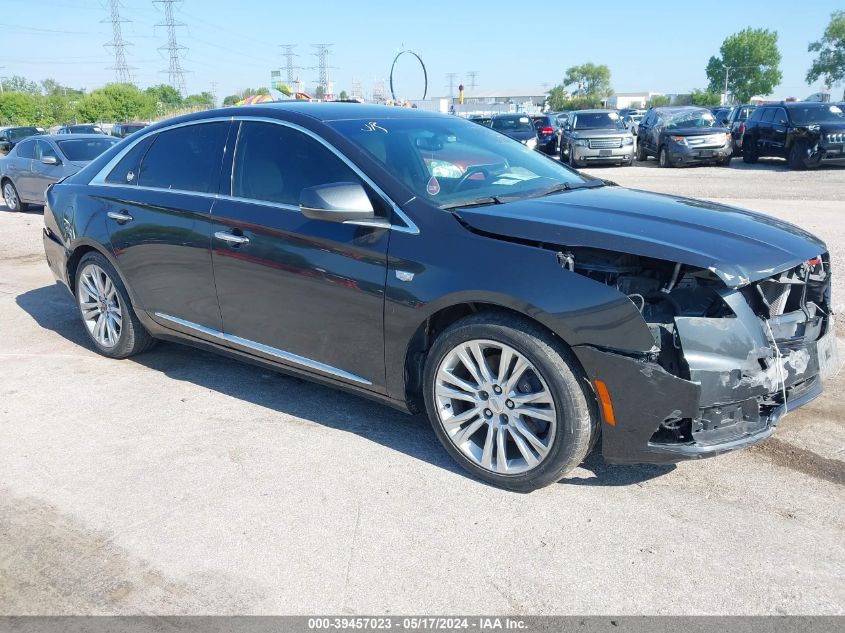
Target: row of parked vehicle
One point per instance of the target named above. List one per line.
(806, 134)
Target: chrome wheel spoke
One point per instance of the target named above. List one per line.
(99, 304)
(481, 406)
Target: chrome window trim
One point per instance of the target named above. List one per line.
(266, 349)
(100, 178)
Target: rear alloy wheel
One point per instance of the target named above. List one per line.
(106, 311)
(663, 158)
(505, 402)
(11, 197)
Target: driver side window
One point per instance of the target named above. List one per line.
(274, 163)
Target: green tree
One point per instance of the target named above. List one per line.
(590, 80)
(166, 95)
(18, 108)
(16, 83)
(751, 61)
(343, 96)
(319, 92)
(557, 99)
(658, 101)
(231, 100)
(830, 63)
(705, 98)
(116, 102)
(53, 87)
(201, 100)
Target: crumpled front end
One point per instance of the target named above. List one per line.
(727, 362)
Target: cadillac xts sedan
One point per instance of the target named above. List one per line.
(436, 265)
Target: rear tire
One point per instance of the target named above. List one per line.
(11, 197)
(106, 311)
(498, 406)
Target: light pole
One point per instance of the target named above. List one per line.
(728, 70)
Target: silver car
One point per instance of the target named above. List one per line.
(596, 136)
(37, 162)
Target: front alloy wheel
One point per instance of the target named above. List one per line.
(495, 407)
(507, 400)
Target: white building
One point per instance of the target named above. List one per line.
(630, 99)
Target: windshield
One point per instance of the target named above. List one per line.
(450, 161)
(822, 113)
(85, 149)
(691, 118)
(598, 121)
(131, 129)
(17, 134)
(512, 124)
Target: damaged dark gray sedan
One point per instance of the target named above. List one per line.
(435, 265)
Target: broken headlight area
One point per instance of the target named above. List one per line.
(752, 352)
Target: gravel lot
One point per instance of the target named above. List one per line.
(182, 482)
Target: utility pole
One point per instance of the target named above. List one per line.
(175, 72)
(122, 74)
(450, 77)
(214, 93)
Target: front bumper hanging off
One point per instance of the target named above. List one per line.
(740, 385)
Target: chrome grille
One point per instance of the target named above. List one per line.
(706, 140)
(836, 137)
(605, 143)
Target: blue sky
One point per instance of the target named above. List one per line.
(657, 46)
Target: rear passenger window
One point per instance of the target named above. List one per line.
(274, 163)
(186, 158)
(127, 170)
(26, 149)
(768, 115)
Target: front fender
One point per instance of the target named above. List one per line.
(443, 267)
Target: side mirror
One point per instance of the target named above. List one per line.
(50, 160)
(344, 202)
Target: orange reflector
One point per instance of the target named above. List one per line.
(606, 406)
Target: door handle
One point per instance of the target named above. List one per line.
(231, 238)
(121, 217)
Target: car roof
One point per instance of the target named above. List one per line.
(70, 137)
(681, 109)
(593, 111)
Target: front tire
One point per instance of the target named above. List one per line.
(663, 158)
(641, 153)
(507, 401)
(749, 151)
(11, 197)
(106, 311)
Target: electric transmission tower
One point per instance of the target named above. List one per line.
(451, 79)
(356, 92)
(122, 74)
(175, 72)
(473, 75)
(288, 54)
(323, 67)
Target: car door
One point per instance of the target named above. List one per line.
(777, 131)
(20, 169)
(158, 200)
(43, 174)
(764, 131)
(305, 292)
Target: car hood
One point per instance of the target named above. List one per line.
(739, 246)
(519, 135)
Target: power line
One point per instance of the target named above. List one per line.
(122, 74)
(175, 72)
(473, 75)
(450, 77)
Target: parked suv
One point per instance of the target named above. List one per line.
(548, 133)
(518, 126)
(735, 122)
(11, 136)
(683, 135)
(122, 130)
(806, 134)
(82, 128)
(596, 136)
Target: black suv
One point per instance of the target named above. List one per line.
(10, 136)
(548, 133)
(805, 134)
